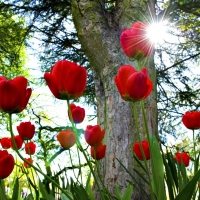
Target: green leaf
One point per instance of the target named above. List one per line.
(188, 190)
(44, 193)
(117, 192)
(134, 179)
(16, 190)
(29, 197)
(128, 192)
(157, 168)
(89, 188)
(2, 190)
(79, 192)
(169, 178)
(64, 197)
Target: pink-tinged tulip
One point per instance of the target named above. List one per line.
(66, 138)
(182, 158)
(98, 152)
(5, 142)
(94, 135)
(135, 43)
(18, 141)
(67, 80)
(133, 85)
(6, 164)
(30, 148)
(191, 120)
(26, 130)
(78, 113)
(26, 165)
(138, 151)
(14, 94)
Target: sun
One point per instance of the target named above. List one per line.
(157, 32)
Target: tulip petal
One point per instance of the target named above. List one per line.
(51, 82)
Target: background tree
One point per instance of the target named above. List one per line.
(98, 27)
(12, 48)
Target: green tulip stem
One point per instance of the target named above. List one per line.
(145, 120)
(142, 150)
(70, 156)
(98, 171)
(2, 190)
(82, 150)
(194, 144)
(139, 65)
(18, 153)
(79, 160)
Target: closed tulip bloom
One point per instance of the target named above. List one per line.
(94, 135)
(5, 142)
(6, 164)
(78, 113)
(135, 43)
(138, 150)
(98, 152)
(191, 120)
(18, 141)
(26, 130)
(14, 94)
(182, 158)
(30, 148)
(66, 80)
(30, 160)
(133, 85)
(66, 138)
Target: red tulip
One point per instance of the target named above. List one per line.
(135, 42)
(78, 113)
(191, 120)
(138, 151)
(30, 148)
(14, 94)
(133, 85)
(26, 130)
(26, 165)
(98, 152)
(66, 138)
(5, 142)
(67, 80)
(182, 158)
(94, 135)
(18, 141)
(6, 164)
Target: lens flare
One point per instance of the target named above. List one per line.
(157, 32)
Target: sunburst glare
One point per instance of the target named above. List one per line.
(157, 32)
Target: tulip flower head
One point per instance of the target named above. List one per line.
(66, 80)
(94, 135)
(98, 152)
(135, 43)
(5, 142)
(26, 130)
(30, 148)
(66, 138)
(191, 120)
(30, 160)
(6, 164)
(133, 85)
(14, 94)
(182, 158)
(78, 113)
(138, 151)
(18, 141)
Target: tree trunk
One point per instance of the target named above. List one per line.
(98, 31)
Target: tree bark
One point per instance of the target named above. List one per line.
(98, 31)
